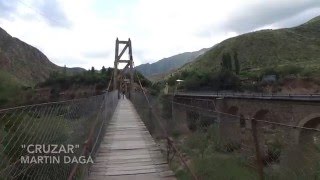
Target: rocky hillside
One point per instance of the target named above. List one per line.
(298, 46)
(166, 65)
(23, 62)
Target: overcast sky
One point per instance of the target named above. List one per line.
(82, 33)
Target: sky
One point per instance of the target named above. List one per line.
(82, 33)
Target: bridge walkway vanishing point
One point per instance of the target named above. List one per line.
(128, 151)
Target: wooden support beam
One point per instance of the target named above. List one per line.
(131, 67)
(123, 61)
(115, 82)
(123, 50)
(118, 77)
(126, 67)
(123, 42)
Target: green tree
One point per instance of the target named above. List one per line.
(92, 69)
(103, 70)
(226, 62)
(172, 80)
(64, 70)
(228, 80)
(193, 82)
(110, 72)
(236, 63)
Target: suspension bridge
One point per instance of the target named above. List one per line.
(128, 150)
(126, 133)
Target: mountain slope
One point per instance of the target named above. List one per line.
(168, 64)
(267, 48)
(24, 62)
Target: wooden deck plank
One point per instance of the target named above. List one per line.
(128, 151)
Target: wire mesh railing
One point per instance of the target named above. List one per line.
(55, 140)
(216, 145)
(146, 111)
(288, 152)
(157, 118)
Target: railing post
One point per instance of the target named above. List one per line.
(168, 149)
(150, 122)
(150, 113)
(257, 148)
(172, 108)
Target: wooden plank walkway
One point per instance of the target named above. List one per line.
(128, 151)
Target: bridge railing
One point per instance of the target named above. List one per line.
(156, 114)
(52, 140)
(288, 96)
(215, 145)
(148, 111)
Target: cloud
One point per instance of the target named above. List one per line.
(83, 33)
(52, 12)
(261, 13)
(97, 54)
(48, 10)
(6, 8)
(298, 19)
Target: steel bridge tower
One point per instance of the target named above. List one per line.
(123, 79)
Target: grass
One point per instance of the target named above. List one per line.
(222, 166)
(211, 160)
(180, 172)
(9, 88)
(183, 175)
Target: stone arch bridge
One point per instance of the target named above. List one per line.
(295, 111)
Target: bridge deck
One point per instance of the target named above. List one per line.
(128, 151)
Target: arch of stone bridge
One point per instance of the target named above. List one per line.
(307, 121)
(233, 110)
(311, 121)
(285, 112)
(260, 114)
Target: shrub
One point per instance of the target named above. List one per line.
(289, 69)
(3, 101)
(306, 73)
(250, 75)
(274, 150)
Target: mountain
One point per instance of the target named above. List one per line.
(298, 46)
(23, 62)
(166, 65)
